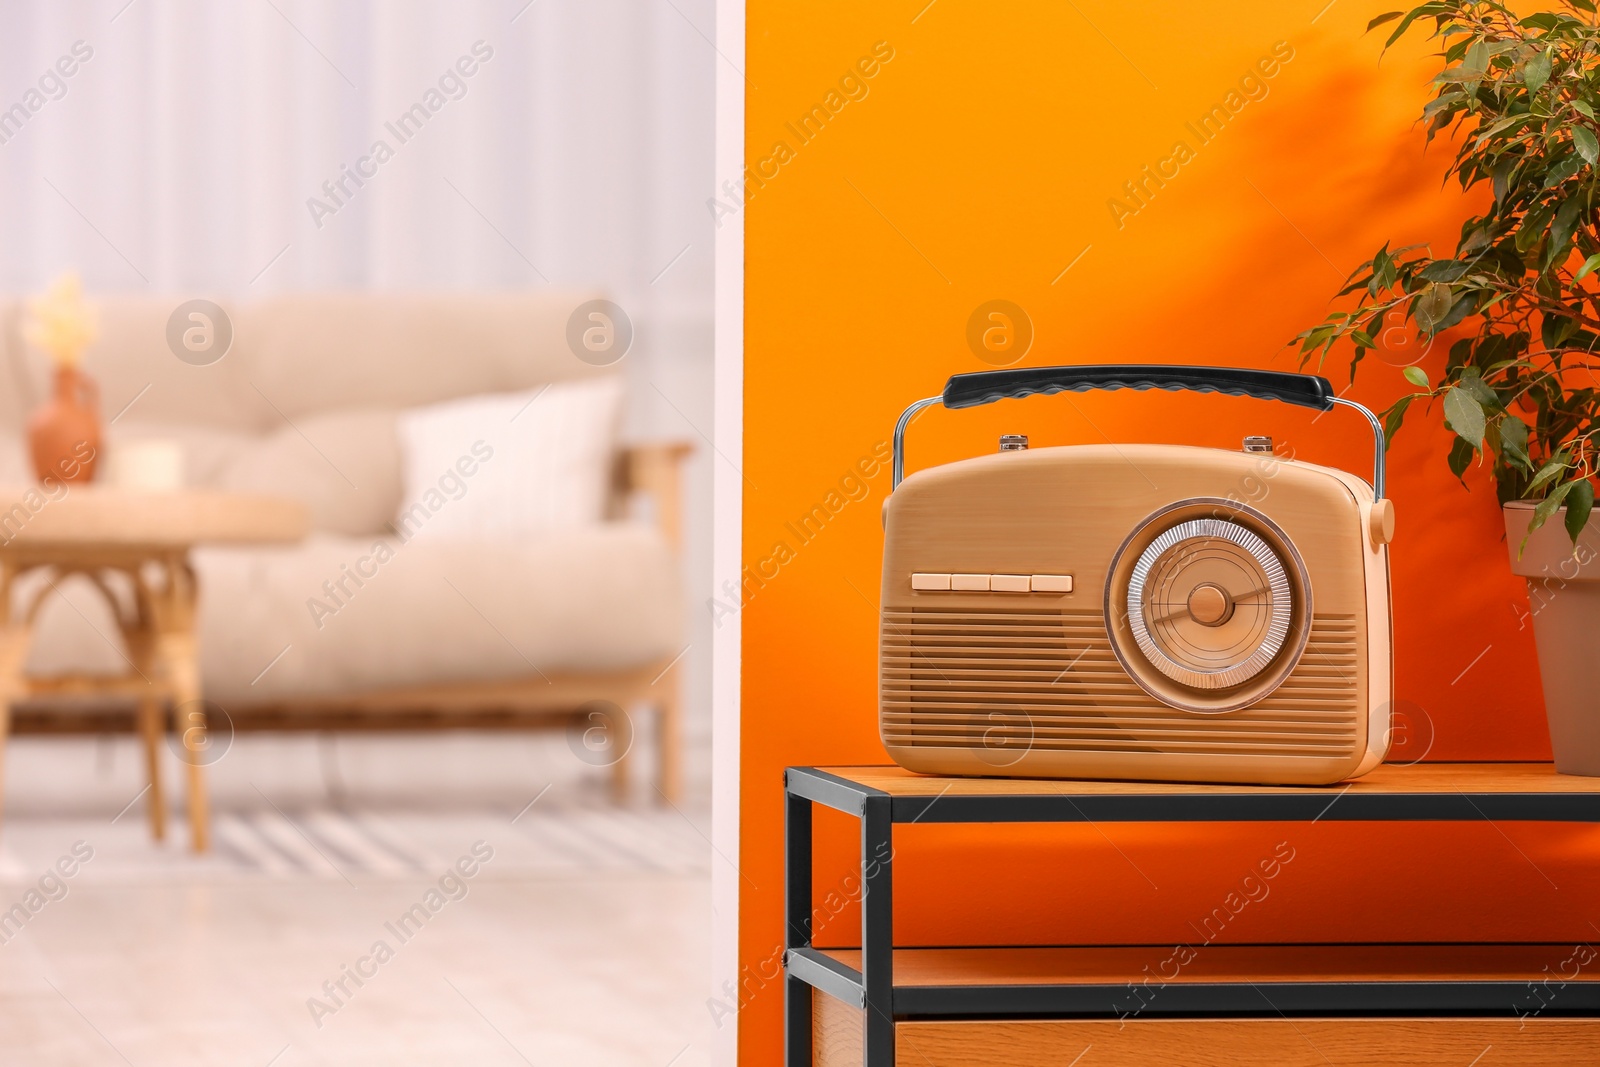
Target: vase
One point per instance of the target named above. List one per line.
(1564, 606)
(64, 435)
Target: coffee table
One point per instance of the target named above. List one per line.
(134, 547)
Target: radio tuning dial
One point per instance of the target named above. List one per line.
(1210, 604)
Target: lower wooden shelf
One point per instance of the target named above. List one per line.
(1141, 981)
(1275, 1042)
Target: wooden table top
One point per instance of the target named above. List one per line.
(92, 516)
(1388, 779)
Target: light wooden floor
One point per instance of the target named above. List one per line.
(585, 939)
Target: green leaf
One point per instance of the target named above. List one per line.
(1547, 507)
(1580, 501)
(1444, 102)
(1445, 270)
(1533, 226)
(1464, 415)
(1583, 140)
(1536, 71)
(1566, 220)
(1547, 472)
(1405, 23)
(1387, 16)
(1477, 238)
(1554, 252)
(1395, 416)
(1479, 389)
(1459, 75)
(1501, 176)
(1417, 377)
(1492, 348)
(1562, 168)
(1477, 58)
(1582, 108)
(1514, 440)
(1382, 271)
(1458, 311)
(1588, 268)
(1555, 329)
(1432, 306)
(1497, 298)
(1460, 458)
(1584, 339)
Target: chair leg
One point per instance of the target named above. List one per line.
(172, 610)
(152, 729)
(669, 742)
(14, 641)
(619, 770)
(181, 669)
(7, 693)
(150, 717)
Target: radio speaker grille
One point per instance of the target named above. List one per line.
(1048, 681)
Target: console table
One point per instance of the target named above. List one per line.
(1236, 1004)
(145, 537)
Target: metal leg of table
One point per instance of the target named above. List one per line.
(796, 927)
(877, 931)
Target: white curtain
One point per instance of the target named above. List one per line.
(182, 153)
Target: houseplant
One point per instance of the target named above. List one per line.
(1517, 98)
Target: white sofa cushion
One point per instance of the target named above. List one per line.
(510, 465)
(601, 598)
(344, 465)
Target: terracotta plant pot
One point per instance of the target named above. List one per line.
(64, 435)
(1564, 604)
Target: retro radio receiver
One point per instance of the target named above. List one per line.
(1156, 612)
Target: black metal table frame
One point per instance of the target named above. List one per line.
(872, 988)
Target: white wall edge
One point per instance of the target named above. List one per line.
(727, 520)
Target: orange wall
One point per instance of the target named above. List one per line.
(978, 165)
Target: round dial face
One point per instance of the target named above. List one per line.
(1209, 603)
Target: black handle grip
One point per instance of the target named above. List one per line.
(985, 387)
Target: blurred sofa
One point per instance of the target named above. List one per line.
(454, 631)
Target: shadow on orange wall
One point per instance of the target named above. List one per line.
(980, 160)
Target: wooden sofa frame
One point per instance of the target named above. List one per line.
(653, 471)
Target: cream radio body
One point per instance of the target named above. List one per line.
(1120, 611)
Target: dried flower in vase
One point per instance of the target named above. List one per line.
(61, 322)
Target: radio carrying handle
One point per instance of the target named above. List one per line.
(985, 387)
